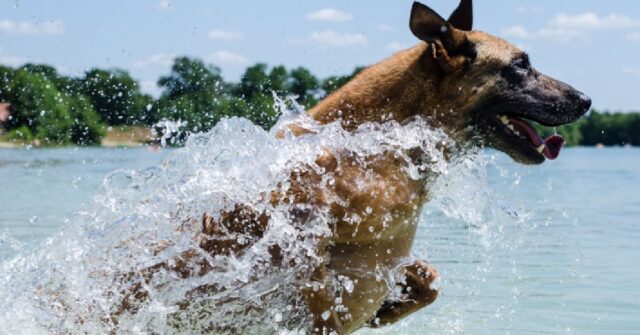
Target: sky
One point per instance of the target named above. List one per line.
(594, 45)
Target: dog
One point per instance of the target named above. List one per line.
(479, 89)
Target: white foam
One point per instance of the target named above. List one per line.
(74, 281)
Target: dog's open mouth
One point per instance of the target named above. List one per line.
(522, 129)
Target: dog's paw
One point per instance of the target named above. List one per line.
(419, 278)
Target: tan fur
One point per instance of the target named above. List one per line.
(430, 81)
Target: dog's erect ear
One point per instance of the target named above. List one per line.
(428, 25)
(462, 17)
(445, 41)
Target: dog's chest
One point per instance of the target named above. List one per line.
(374, 202)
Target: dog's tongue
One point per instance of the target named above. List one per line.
(552, 145)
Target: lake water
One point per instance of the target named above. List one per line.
(552, 249)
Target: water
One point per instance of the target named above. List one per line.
(552, 249)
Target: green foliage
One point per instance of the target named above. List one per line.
(37, 103)
(40, 111)
(192, 94)
(611, 129)
(63, 83)
(596, 128)
(86, 129)
(278, 78)
(304, 86)
(254, 81)
(333, 83)
(116, 97)
(57, 109)
(21, 134)
(190, 75)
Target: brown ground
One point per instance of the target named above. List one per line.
(123, 136)
(127, 136)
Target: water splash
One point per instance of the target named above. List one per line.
(79, 280)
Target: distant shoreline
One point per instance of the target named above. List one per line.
(116, 137)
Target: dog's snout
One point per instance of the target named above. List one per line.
(586, 102)
(581, 101)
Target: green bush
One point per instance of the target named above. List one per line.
(21, 134)
(86, 129)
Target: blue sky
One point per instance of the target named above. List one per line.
(592, 44)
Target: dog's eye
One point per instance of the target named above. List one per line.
(518, 70)
(520, 64)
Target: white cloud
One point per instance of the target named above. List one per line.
(223, 35)
(335, 39)
(565, 28)
(635, 36)
(588, 21)
(51, 27)
(517, 32)
(227, 57)
(164, 5)
(10, 60)
(386, 28)
(558, 35)
(330, 14)
(631, 70)
(395, 46)
(160, 59)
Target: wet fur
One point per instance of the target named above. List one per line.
(453, 79)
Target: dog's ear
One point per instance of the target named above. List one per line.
(462, 17)
(430, 27)
(444, 40)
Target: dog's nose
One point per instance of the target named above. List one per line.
(585, 102)
(580, 101)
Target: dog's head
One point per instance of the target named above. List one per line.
(488, 91)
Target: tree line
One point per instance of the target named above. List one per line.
(57, 110)
(602, 128)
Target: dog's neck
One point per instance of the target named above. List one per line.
(397, 88)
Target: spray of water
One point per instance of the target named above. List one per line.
(94, 276)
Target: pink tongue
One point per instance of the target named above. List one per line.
(553, 144)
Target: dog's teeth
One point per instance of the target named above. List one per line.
(541, 148)
(504, 119)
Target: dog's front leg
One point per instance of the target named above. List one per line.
(320, 298)
(417, 294)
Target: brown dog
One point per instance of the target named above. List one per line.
(479, 89)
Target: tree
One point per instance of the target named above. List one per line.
(115, 96)
(305, 86)
(6, 78)
(192, 93)
(278, 80)
(86, 129)
(190, 75)
(40, 111)
(254, 81)
(333, 83)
